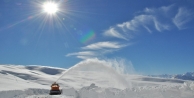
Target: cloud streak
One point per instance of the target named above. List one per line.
(98, 49)
(182, 18)
(104, 45)
(83, 53)
(151, 20)
(114, 33)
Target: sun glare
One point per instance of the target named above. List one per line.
(50, 7)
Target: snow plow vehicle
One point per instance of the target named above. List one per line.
(55, 89)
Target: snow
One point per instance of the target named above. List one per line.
(186, 76)
(88, 79)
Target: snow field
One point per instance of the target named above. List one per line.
(88, 79)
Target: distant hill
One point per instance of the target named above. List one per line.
(186, 76)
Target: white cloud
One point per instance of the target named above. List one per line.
(112, 32)
(148, 29)
(98, 49)
(136, 23)
(85, 57)
(150, 19)
(182, 17)
(83, 53)
(159, 26)
(91, 54)
(143, 21)
(104, 45)
(164, 10)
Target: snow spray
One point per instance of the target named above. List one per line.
(100, 66)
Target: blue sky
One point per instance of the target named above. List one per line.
(155, 35)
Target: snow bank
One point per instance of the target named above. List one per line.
(94, 91)
(23, 93)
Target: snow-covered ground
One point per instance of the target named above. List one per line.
(87, 80)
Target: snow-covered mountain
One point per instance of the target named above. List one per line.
(82, 81)
(186, 76)
(163, 76)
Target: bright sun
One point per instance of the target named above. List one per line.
(50, 7)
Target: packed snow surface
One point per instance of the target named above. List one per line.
(88, 79)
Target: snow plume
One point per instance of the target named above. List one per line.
(119, 65)
(122, 66)
(112, 70)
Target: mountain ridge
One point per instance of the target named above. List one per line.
(185, 76)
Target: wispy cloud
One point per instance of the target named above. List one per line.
(148, 29)
(83, 53)
(159, 26)
(139, 23)
(151, 20)
(161, 11)
(114, 33)
(135, 23)
(104, 45)
(182, 17)
(98, 49)
(85, 57)
(93, 54)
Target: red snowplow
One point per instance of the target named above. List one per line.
(55, 89)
